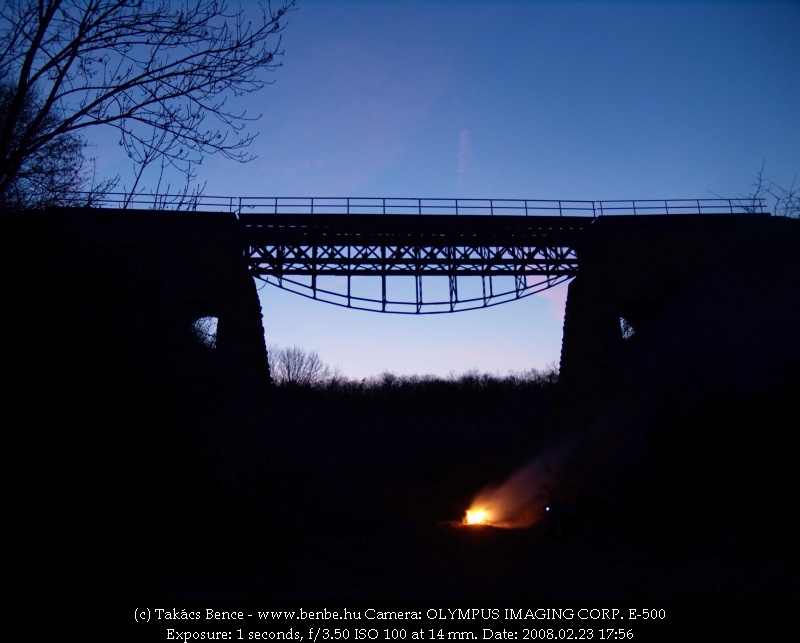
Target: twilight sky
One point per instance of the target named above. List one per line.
(510, 99)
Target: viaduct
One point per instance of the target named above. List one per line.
(631, 263)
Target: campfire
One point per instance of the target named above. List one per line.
(516, 503)
(477, 517)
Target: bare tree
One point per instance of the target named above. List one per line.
(160, 73)
(785, 201)
(295, 366)
(49, 174)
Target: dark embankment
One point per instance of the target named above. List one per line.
(123, 459)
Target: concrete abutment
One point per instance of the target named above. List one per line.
(655, 292)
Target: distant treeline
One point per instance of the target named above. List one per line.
(297, 367)
(468, 427)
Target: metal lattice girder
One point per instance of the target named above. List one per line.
(393, 245)
(298, 252)
(297, 260)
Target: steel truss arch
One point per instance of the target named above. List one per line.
(418, 306)
(449, 264)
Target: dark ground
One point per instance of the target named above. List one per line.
(374, 511)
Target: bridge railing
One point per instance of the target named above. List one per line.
(681, 206)
(416, 206)
(428, 206)
(192, 203)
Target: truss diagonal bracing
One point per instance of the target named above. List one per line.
(412, 263)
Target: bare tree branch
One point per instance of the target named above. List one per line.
(785, 201)
(161, 73)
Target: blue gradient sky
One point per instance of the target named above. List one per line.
(494, 99)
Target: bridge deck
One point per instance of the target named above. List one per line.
(359, 245)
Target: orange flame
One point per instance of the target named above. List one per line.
(516, 503)
(477, 516)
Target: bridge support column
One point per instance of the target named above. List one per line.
(240, 334)
(592, 337)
